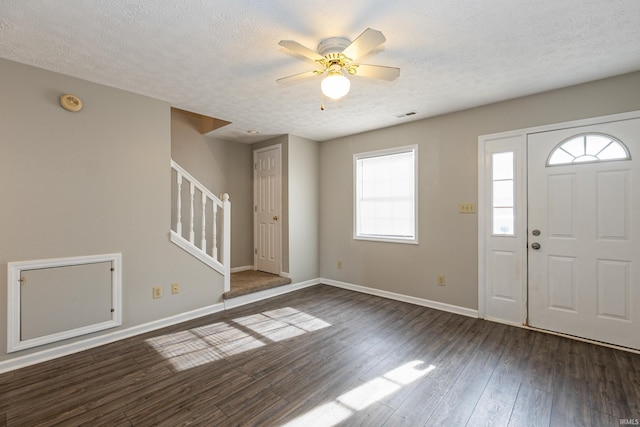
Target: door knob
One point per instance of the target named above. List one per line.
(275, 217)
(535, 246)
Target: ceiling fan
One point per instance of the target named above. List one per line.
(337, 56)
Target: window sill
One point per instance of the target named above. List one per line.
(387, 240)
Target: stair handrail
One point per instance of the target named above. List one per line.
(220, 262)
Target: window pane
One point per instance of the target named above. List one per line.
(503, 193)
(575, 146)
(503, 221)
(613, 151)
(595, 144)
(502, 164)
(588, 148)
(560, 157)
(385, 193)
(393, 217)
(585, 158)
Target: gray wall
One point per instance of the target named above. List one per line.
(223, 167)
(304, 208)
(92, 182)
(447, 176)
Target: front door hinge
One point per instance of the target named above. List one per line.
(255, 251)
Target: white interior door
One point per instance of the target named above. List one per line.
(584, 233)
(267, 209)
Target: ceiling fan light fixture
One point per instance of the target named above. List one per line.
(337, 56)
(335, 85)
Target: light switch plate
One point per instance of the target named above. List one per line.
(467, 208)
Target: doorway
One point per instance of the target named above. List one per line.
(558, 248)
(267, 199)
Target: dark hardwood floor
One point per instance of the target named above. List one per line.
(327, 356)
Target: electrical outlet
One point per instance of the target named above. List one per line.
(440, 280)
(339, 264)
(467, 208)
(157, 292)
(175, 288)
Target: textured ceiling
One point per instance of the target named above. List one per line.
(221, 58)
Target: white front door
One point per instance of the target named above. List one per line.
(267, 207)
(584, 232)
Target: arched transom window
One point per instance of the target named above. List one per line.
(586, 148)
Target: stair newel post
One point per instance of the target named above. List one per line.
(226, 251)
(179, 205)
(191, 232)
(215, 231)
(203, 240)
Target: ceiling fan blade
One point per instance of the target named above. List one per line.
(301, 50)
(377, 72)
(365, 43)
(299, 76)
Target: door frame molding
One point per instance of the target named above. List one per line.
(255, 192)
(521, 175)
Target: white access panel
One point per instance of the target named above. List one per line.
(56, 299)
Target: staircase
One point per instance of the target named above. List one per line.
(197, 233)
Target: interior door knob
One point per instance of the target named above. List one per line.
(535, 246)
(275, 217)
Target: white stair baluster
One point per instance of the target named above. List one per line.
(179, 207)
(191, 232)
(215, 230)
(203, 241)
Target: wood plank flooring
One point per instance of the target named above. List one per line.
(327, 356)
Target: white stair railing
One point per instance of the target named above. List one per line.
(210, 206)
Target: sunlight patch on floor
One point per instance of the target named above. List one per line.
(359, 398)
(209, 343)
(281, 324)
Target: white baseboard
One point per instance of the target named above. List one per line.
(404, 298)
(285, 275)
(267, 293)
(242, 268)
(75, 347)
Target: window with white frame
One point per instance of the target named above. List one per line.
(386, 195)
(503, 200)
(588, 148)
